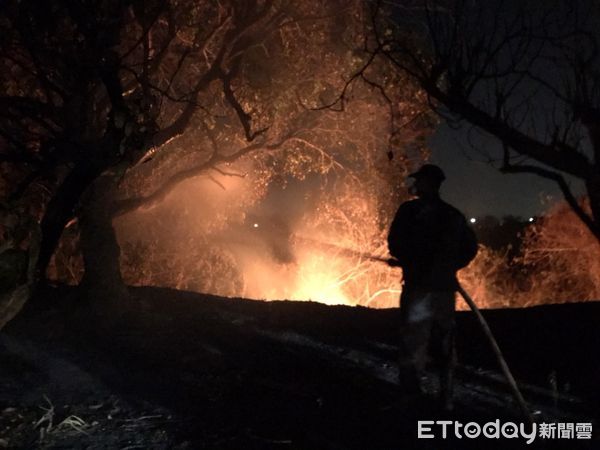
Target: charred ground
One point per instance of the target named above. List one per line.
(183, 370)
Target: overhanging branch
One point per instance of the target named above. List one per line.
(131, 204)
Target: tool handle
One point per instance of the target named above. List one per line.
(503, 365)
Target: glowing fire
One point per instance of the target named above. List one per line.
(313, 276)
(319, 280)
(322, 273)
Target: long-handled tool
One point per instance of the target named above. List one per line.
(503, 365)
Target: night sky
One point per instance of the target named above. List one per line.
(478, 189)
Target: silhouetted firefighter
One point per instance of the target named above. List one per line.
(431, 241)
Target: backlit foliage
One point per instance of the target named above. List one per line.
(565, 258)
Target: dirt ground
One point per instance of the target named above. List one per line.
(187, 371)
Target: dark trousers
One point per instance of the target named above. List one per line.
(427, 330)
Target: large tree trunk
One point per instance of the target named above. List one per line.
(102, 283)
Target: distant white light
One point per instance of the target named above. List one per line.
(255, 225)
(532, 219)
(472, 220)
